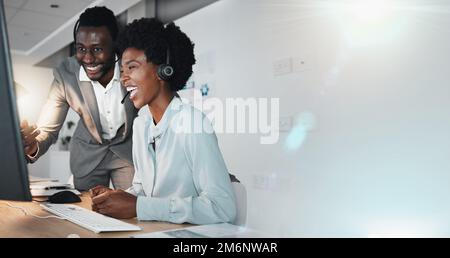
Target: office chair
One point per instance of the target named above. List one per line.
(241, 201)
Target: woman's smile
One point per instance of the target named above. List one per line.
(133, 91)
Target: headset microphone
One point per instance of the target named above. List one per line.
(124, 98)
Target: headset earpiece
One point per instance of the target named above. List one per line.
(166, 71)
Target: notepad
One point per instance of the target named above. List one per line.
(223, 230)
(50, 186)
(35, 179)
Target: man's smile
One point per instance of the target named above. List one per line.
(93, 69)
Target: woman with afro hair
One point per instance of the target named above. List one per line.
(180, 174)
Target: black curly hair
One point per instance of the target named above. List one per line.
(98, 16)
(151, 36)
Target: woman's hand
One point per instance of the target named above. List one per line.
(98, 190)
(115, 203)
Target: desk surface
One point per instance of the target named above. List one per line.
(15, 224)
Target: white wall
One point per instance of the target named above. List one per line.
(377, 160)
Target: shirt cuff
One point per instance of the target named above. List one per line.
(32, 159)
(153, 209)
(131, 191)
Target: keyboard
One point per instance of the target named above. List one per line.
(88, 219)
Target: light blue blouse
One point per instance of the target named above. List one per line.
(185, 179)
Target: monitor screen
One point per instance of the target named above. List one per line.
(14, 184)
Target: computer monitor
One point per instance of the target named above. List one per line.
(14, 183)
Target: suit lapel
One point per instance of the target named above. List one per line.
(129, 113)
(89, 96)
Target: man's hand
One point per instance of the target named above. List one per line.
(115, 203)
(29, 134)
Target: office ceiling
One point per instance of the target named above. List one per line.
(37, 31)
(31, 21)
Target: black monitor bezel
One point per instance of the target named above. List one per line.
(14, 181)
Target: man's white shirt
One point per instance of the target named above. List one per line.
(112, 112)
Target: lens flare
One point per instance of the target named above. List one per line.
(297, 136)
(370, 22)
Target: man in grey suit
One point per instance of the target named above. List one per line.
(89, 83)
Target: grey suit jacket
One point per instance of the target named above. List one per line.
(87, 147)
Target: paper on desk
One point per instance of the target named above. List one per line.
(44, 185)
(46, 193)
(223, 230)
(34, 179)
(39, 189)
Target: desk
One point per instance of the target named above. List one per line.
(15, 224)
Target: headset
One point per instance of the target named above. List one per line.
(166, 71)
(75, 30)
